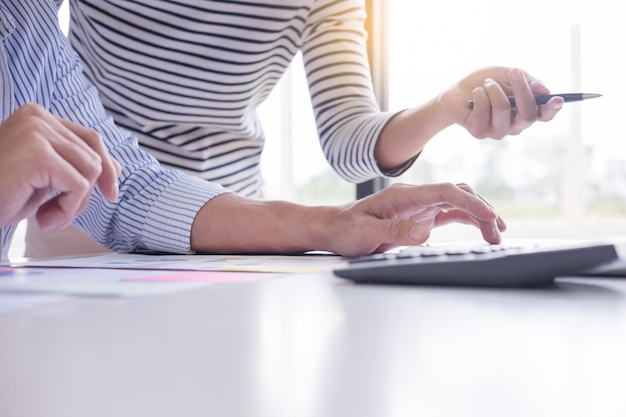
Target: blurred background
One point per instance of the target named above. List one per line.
(563, 179)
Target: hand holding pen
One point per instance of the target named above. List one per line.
(492, 90)
(504, 102)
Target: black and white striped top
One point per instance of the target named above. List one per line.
(186, 76)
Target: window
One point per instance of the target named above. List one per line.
(565, 178)
(294, 167)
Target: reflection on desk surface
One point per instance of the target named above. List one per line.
(309, 345)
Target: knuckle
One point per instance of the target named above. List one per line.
(93, 169)
(445, 189)
(84, 186)
(33, 110)
(448, 186)
(398, 185)
(93, 136)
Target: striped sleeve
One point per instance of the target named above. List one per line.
(156, 206)
(348, 118)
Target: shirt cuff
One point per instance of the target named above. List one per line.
(168, 224)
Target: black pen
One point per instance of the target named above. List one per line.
(543, 99)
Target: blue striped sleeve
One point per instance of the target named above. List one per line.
(157, 206)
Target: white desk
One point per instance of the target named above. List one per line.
(310, 346)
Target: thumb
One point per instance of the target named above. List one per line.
(419, 233)
(403, 232)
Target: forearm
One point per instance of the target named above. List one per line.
(233, 224)
(406, 134)
(397, 216)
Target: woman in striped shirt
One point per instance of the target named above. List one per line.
(186, 77)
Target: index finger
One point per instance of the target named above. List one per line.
(456, 197)
(462, 204)
(525, 102)
(107, 182)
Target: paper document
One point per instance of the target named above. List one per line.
(244, 263)
(113, 282)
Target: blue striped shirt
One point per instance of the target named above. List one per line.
(187, 76)
(157, 206)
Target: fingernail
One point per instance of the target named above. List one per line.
(557, 106)
(516, 74)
